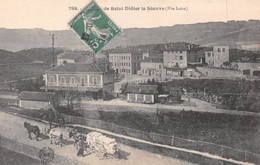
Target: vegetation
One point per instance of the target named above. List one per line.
(241, 132)
(16, 72)
(30, 85)
(225, 93)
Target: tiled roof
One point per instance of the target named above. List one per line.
(133, 51)
(142, 89)
(36, 96)
(66, 88)
(78, 68)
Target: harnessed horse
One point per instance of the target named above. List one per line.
(31, 128)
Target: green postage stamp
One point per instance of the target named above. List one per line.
(94, 27)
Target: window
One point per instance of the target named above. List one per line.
(52, 79)
(219, 49)
(160, 66)
(180, 52)
(209, 54)
(72, 80)
(180, 57)
(212, 54)
(63, 80)
(82, 81)
(223, 49)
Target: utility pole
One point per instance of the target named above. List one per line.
(52, 37)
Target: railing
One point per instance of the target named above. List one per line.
(171, 140)
(74, 85)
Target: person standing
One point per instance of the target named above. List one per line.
(81, 148)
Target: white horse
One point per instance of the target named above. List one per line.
(56, 137)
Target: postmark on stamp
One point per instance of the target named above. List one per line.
(94, 27)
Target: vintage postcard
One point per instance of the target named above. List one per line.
(131, 82)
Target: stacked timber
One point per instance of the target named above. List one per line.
(101, 143)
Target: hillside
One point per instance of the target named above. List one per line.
(232, 33)
(29, 55)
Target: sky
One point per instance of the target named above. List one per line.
(55, 14)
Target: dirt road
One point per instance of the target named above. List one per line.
(12, 127)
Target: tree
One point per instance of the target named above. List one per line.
(148, 81)
(70, 96)
(153, 81)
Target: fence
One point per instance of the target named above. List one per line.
(215, 149)
(10, 102)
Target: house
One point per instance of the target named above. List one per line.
(152, 67)
(175, 59)
(196, 55)
(91, 80)
(126, 61)
(217, 56)
(72, 57)
(37, 100)
(142, 93)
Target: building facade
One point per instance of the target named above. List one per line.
(217, 56)
(175, 58)
(86, 78)
(142, 93)
(152, 69)
(126, 62)
(196, 55)
(37, 100)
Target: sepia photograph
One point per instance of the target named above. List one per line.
(130, 82)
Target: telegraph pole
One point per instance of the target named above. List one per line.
(52, 37)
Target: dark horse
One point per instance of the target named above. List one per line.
(31, 128)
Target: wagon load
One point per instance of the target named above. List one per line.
(101, 144)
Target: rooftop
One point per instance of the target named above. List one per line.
(36, 96)
(79, 68)
(132, 51)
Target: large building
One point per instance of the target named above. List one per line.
(126, 61)
(175, 57)
(217, 56)
(175, 60)
(90, 79)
